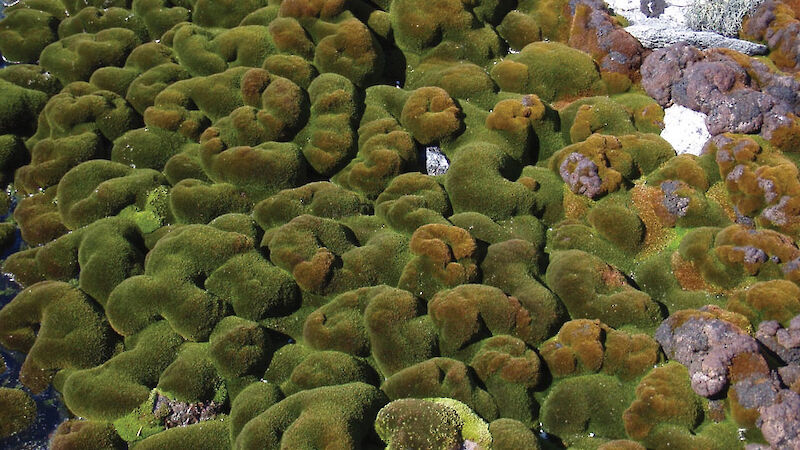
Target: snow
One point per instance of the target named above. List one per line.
(685, 129)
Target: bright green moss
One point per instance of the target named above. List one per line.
(461, 315)
(75, 58)
(117, 387)
(352, 51)
(590, 288)
(578, 406)
(464, 81)
(510, 371)
(17, 411)
(172, 284)
(196, 201)
(159, 15)
(478, 168)
(59, 327)
(539, 69)
(509, 434)
(412, 200)
(314, 418)
(379, 321)
(321, 199)
(255, 288)
(260, 171)
(446, 26)
(24, 33)
(239, 347)
(206, 435)
(191, 377)
(212, 13)
(321, 368)
(385, 149)
(618, 225)
(516, 267)
(329, 138)
(100, 255)
(253, 400)
(442, 377)
(415, 423)
(13, 154)
(19, 108)
(675, 405)
(31, 76)
(96, 189)
(474, 429)
(84, 434)
(595, 115)
(92, 20)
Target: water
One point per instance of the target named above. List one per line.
(50, 410)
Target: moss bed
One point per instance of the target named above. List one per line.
(232, 240)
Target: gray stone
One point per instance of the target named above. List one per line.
(653, 35)
(652, 8)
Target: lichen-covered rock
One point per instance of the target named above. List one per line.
(705, 344)
(783, 342)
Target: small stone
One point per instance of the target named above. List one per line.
(436, 162)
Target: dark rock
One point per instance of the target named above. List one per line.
(784, 342)
(676, 205)
(663, 69)
(755, 392)
(601, 36)
(180, 414)
(789, 374)
(752, 255)
(777, 214)
(652, 8)
(736, 98)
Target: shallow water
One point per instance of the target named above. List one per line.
(50, 410)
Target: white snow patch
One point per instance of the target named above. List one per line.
(685, 129)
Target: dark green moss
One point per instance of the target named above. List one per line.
(17, 411)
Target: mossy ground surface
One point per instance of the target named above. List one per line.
(226, 205)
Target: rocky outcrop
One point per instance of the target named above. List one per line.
(660, 36)
(739, 94)
(661, 23)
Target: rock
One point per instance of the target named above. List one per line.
(685, 129)
(737, 96)
(675, 204)
(659, 36)
(179, 414)
(595, 32)
(706, 346)
(661, 23)
(784, 342)
(436, 162)
(580, 174)
(652, 8)
(780, 421)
